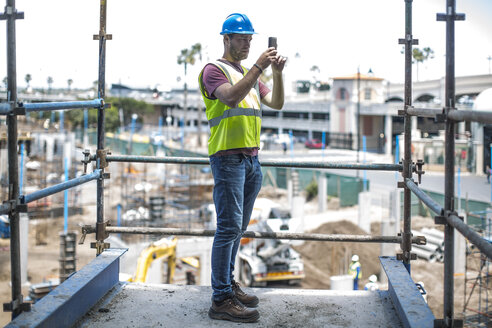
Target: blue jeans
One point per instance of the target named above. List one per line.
(237, 183)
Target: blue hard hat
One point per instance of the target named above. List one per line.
(237, 24)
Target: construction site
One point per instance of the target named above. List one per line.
(102, 229)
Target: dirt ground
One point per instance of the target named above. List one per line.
(324, 259)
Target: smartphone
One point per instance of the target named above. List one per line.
(272, 42)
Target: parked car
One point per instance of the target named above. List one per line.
(313, 144)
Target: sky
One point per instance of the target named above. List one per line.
(55, 38)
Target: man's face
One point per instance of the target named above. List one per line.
(239, 45)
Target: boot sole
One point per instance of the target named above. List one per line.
(226, 316)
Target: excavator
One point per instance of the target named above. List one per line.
(161, 248)
(165, 247)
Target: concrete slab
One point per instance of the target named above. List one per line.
(145, 305)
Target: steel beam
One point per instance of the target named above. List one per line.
(407, 300)
(67, 303)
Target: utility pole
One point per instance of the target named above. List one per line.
(358, 116)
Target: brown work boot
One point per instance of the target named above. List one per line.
(233, 310)
(248, 300)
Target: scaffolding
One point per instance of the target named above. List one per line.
(447, 216)
(476, 312)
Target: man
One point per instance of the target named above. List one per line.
(232, 96)
(355, 271)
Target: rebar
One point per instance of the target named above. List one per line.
(274, 163)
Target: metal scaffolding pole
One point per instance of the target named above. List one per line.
(419, 240)
(102, 37)
(273, 163)
(449, 166)
(22, 108)
(406, 244)
(16, 306)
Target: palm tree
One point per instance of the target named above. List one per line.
(420, 56)
(28, 80)
(188, 56)
(50, 82)
(69, 84)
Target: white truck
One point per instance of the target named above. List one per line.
(260, 261)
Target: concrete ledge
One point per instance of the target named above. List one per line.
(137, 305)
(67, 303)
(407, 300)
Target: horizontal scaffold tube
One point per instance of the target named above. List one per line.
(256, 234)
(423, 112)
(38, 107)
(60, 187)
(277, 163)
(456, 222)
(5, 108)
(455, 115)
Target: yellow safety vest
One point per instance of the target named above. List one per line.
(353, 270)
(232, 128)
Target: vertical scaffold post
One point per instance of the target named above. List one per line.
(12, 158)
(449, 166)
(407, 159)
(17, 305)
(102, 37)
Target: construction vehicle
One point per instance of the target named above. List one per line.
(161, 248)
(265, 260)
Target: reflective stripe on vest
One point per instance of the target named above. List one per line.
(234, 112)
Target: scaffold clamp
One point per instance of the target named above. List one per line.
(442, 219)
(87, 159)
(9, 11)
(17, 304)
(444, 17)
(417, 168)
(101, 155)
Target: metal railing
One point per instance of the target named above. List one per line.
(16, 203)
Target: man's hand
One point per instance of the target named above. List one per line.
(267, 58)
(278, 64)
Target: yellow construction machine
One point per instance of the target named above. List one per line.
(161, 248)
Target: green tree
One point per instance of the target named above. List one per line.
(6, 82)
(421, 55)
(112, 120)
(188, 56)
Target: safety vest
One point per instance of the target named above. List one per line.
(353, 270)
(232, 128)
